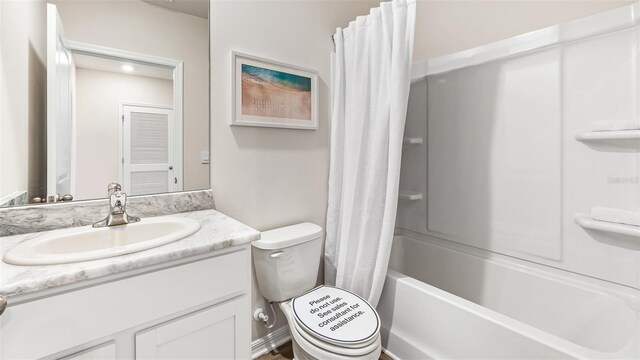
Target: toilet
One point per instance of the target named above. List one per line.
(325, 322)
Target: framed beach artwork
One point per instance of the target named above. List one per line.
(272, 94)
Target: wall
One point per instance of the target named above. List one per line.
(506, 174)
(98, 98)
(22, 97)
(264, 177)
(145, 28)
(448, 26)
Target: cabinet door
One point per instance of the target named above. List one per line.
(206, 334)
(101, 352)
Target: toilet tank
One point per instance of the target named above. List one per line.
(287, 260)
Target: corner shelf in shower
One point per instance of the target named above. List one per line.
(588, 222)
(412, 141)
(608, 135)
(409, 195)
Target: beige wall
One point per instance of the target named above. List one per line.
(264, 177)
(98, 98)
(141, 27)
(22, 97)
(447, 26)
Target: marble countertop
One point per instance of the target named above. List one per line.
(217, 232)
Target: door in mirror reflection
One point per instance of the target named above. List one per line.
(149, 150)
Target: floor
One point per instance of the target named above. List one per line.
(285, 352)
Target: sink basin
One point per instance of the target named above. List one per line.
(86, 243)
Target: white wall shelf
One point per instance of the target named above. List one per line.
(588, 222)
(608, 135)
(412, 141)
(410, 195)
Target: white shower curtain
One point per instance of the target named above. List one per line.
(371, 78)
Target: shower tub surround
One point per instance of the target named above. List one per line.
(491, 263)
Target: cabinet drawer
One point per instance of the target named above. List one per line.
(50, 325)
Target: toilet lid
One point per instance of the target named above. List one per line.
(336, 315)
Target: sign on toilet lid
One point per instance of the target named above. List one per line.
(336, 315)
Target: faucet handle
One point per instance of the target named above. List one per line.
(113, 187)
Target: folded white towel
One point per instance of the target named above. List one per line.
(615, 125)
(616, 216)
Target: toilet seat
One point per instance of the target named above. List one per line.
(328, 315)
(325, 350)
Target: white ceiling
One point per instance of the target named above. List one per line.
(199, 8)
(111, 65)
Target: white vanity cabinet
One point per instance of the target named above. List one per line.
(190, 309)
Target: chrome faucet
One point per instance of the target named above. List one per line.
(117, 208)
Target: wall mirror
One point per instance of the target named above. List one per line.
(99, 91)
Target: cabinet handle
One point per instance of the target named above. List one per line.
(3, 304)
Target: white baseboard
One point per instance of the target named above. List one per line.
(271, 341)
(390, 354)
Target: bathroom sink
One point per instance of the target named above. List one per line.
(87, 243)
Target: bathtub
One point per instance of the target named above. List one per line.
(442, 300)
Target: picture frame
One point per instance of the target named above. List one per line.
(268, 93)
